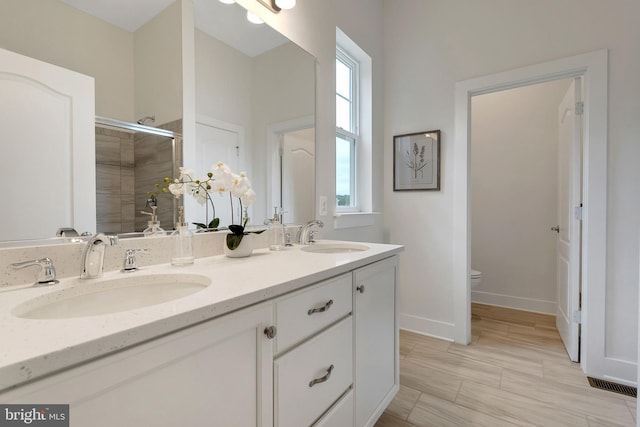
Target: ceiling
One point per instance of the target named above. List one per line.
(222, 21)
(126, 14)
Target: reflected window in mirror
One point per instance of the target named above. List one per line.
(353, 126)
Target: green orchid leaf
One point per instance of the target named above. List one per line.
(236, 229)
(199, 224)
(233, 240)
(214, 223)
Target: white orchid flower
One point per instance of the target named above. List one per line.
(176, 188)
(221, 185)
(248, 197)
(186, 173)
(220, 171)
(239, 185)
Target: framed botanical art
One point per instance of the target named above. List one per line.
(416, 161)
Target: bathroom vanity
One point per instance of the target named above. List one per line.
(289, 338)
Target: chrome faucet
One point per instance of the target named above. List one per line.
(306, 234)
(47, 273)
(93, 255)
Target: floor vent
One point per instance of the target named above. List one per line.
(614, 387)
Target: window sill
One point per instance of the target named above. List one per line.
(354, 219)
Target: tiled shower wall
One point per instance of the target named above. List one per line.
(114, 181)
(153, 162)
(127, 167)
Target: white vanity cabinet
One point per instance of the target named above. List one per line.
(377, 372)
(216, 373)
(313, 367)
(325, 355)
(309, 342)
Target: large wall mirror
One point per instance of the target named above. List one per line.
(255, 108)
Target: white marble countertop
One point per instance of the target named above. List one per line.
(32, 348)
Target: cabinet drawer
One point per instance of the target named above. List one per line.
(303, 314)
(310, 378)
(341, 415)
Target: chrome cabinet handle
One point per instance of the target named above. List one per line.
(270, 332)
(321, 309)
(360, 289)
(323, 378)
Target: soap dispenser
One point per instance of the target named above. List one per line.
(276, 232)
(182, 253)
(153, 225)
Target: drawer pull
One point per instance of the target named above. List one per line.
(360, 289)
(320, 309)
(270, 332)
(323, 378)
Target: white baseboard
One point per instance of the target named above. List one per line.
(620, 371)
(424, 326)
(518, 303)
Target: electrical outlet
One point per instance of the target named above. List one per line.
(323, 205)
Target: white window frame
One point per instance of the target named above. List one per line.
(351, 134)
(360, 213)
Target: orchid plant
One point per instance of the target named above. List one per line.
(220, 179)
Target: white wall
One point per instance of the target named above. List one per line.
(59, 34)
(284, 89)
(431, 44)
(514, 136)
(273, 87)
(158, 66)
(217, 62)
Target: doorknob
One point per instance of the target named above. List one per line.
(556, 229)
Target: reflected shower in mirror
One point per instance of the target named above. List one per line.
(130, 160)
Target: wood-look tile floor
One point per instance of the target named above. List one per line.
(514, 373)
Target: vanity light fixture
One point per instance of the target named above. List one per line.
(276, 6)
(253, 18)
(286, 4)
(228, 1)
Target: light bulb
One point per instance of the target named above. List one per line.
(286, 4)
(253, 18)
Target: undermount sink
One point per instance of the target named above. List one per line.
(334, 248)
(91, 298)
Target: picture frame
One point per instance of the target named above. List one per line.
(416, 161)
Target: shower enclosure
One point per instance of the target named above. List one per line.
(130, 160)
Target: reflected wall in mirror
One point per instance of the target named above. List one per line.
(255, 87)
(137, 73)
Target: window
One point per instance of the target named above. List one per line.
(354, 134)
(347, 78)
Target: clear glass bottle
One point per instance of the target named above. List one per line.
(276, 232)
(182, 252)
(153, 225)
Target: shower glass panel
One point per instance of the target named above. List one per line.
(130, 160)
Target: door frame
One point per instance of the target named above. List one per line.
(274, 133)
(190, 203)
(593, 68)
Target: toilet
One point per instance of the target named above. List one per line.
(476, 278)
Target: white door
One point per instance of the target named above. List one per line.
(47, 117)
(298, 176)
(569, 226)
(217, 143)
